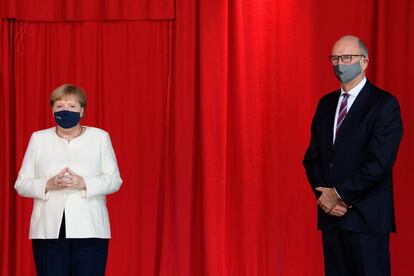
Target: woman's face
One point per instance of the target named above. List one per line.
(69, 103)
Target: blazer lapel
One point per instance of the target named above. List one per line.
(331, 116)
(353, 113)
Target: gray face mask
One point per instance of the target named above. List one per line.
(347, 72)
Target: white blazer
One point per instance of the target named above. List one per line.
(91, 156)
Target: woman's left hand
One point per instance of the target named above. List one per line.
(75, 181)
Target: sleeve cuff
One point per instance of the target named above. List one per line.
(93, 186)
(39, 187)
(337, 193)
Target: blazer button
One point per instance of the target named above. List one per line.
(331, 165)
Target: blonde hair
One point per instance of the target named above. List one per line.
(68, 89)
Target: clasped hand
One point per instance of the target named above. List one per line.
(65, 179)
(331, 203)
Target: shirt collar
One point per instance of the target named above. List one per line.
(355, 91)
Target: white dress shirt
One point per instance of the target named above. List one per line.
(353, 93)
(91, 156)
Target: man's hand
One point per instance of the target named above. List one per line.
(340, 209)
(328, 199)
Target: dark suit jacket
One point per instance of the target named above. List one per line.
(359, 163)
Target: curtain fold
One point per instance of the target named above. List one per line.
(7, 147)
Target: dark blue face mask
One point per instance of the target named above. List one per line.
(66, 118)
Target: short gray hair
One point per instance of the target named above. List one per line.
(363, 48)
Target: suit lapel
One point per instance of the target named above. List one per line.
(354, 112)
(331, 115)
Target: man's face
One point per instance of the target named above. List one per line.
(347, 46)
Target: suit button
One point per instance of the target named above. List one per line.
(331, 165)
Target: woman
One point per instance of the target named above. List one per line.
(68, 170)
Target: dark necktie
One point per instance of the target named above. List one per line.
(342, 113)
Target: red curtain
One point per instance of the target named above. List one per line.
(209, 115)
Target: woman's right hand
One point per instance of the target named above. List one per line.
(57, 182)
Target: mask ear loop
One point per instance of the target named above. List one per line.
(364, 60)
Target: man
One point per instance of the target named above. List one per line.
(355, 136)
